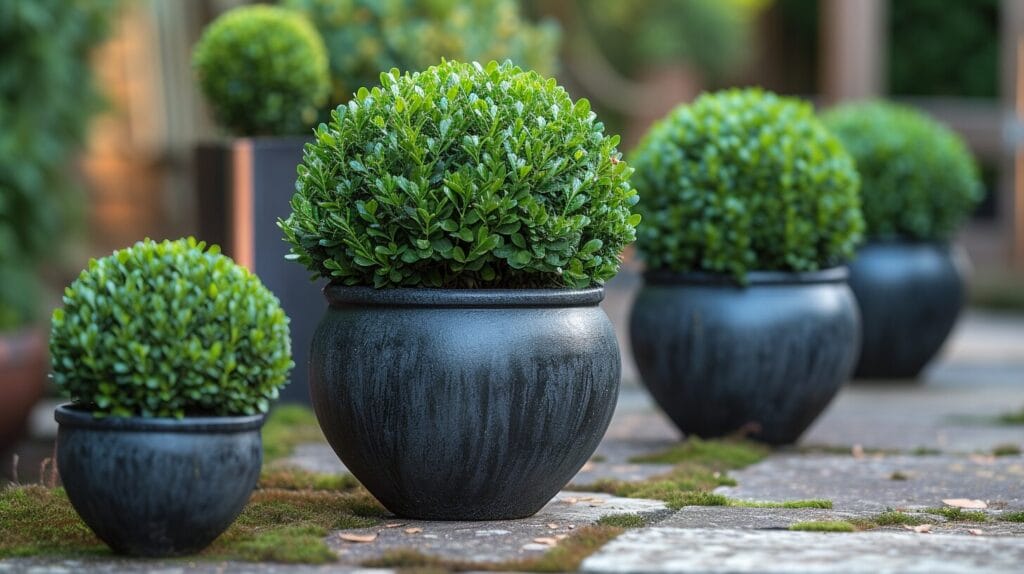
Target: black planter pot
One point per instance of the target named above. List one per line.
(764, 359)
(158, 487)
(464, 404)
(243, 187)
(910, 295)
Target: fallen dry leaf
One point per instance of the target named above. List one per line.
(561, 536)
(922, 529)
(570, 500)
(976, 531)
(413, 530)
(358, 537)
(571, 526)
(967, 503)
(857, 451)
(587, 467)
(545, 540)
(553, 526)
(394, 525)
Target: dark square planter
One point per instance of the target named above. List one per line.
(244, 186)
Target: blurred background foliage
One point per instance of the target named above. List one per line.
(47, 98)
(366, 37)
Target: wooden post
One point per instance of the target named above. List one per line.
(853, 38)
(1011, 182)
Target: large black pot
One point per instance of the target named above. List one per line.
(764, 359)
(464, 404)
(158, 487)
(910, 295)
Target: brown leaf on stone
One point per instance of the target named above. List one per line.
(587, 467)
(561, 536)
(413, 530)
(394, 525)
(921, 529)
(553, 526)
(975, 531)
(968, 503)
(347, 537)
(546, 541)
(570, 500)
(857, 451)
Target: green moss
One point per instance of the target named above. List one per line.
(925, 451)
(813, 503)
(824, 526)
(286, 524)
(287, 427)
(1012, 516)
(687, 484)
(623, 520)
(291, 478)
(897, 475)
(1013, 418)
(718, 454)
(1006, 450)
(598, 458)
(38, 520)
(565, 557)
(958, 514)
(896, 518)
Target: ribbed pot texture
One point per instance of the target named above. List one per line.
(762, 359)
(158, 487)
(910, 295)
(464, 404)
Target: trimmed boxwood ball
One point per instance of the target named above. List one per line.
(918, 180)
(264, 71)
(170, 329)
(463, 176)
(745, 180)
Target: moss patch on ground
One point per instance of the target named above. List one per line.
(716, 454)
(1006, 450)
(953, 514)
(291, 478)
(623, 521)
(1012, 516)
(286, 523)
(1013, 418)
(812, 503)
(287, 427)
(565, 557)
(824, 526)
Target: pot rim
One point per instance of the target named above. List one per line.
(838, 274)
(69, 415)
(342, 295)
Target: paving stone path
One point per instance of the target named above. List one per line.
(860, 455)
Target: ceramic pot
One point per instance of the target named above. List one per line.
(464, 404)
(762, 359)
(158, 486)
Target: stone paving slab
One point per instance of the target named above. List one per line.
(117, 565)
(686, 550)
(866, 484)
(493, 541)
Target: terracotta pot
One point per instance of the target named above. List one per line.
(22, 380)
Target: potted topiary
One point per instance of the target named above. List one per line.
(467, 217)
(745, 321)
(171, 354)
(919, 184)
(263, 69)
(48, 99)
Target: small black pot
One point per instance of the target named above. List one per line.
(764, 359)
(464, 404)
(158, 487)
(910, 295)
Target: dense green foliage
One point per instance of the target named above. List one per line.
(365, 37)
(47, 97)
(264, 71)
(918, 180)
(944, 48)
(711, 35)
(463, 176)
(167, 330)
(745, 180)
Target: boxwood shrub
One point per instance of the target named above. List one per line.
(462, 175)
(170, 329)
(745, 180)
(918, 180)
(263, 70)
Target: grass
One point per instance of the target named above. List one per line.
(287, 427)
(812, 503)
(1006, 450)
(718, 454)
(897, 518)
(283, 523)
(824, 526)
(623, 521)
(565, 557)
(1012, 516)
